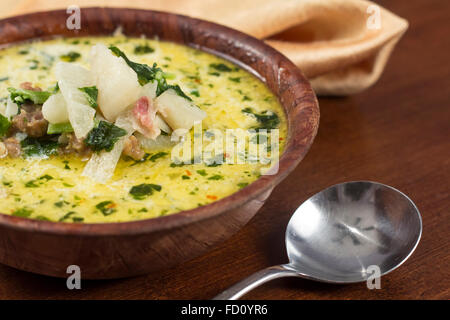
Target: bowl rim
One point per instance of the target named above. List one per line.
(288, 161)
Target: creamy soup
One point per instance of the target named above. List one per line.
(42, 181)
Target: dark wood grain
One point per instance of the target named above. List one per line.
(116, 250)
(397, 133)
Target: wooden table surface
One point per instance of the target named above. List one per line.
(397, 133)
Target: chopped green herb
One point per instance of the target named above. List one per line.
(59, 204)
(91, 95)
(77, 219)
(35, 64)
(267, 119)
(32, 147)
(177, 90)
(202, 173)
(22, 212)
(216, 177)
(54, 89)
(216, 161)
(195, 93)
(242, 185)
(46, 177)
(184, 177)
(174, 165)
(19, 96)
(213, 164)
(106, 207)
(66, 165)
(42, 218)
(196, 77)
(58, 128)
(104, 136)
(246, 98)
(23, 51)
(31, 184)
(143, 49)
(7, 183)
(158, 155)
(144, 158)
(237, 79)
(182, 163)
(141, 191)
(70, 56)
(4, 79)
(221, 67)
(67, 216)
(5, 124)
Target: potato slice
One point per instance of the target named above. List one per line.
(11, 109)
(117, 83)
(101, 166)
(162, 124)
(177, 111)
(54, 109)
(70, 78)
(149, 90)
(160, 143)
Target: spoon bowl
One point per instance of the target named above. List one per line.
(344, 234)
(338, 233)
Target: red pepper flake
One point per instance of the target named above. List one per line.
(226, 155)
(188, 173)
(281, 139)
(111, 205)
(211, 197)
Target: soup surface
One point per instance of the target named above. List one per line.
(53, 187)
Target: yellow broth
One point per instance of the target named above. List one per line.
(54, 189)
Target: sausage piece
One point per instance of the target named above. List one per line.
(13, 147)
(31, 122)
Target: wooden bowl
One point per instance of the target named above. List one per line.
(115, 250)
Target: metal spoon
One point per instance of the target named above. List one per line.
(337, 235)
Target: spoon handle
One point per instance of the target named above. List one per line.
(255, 280)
